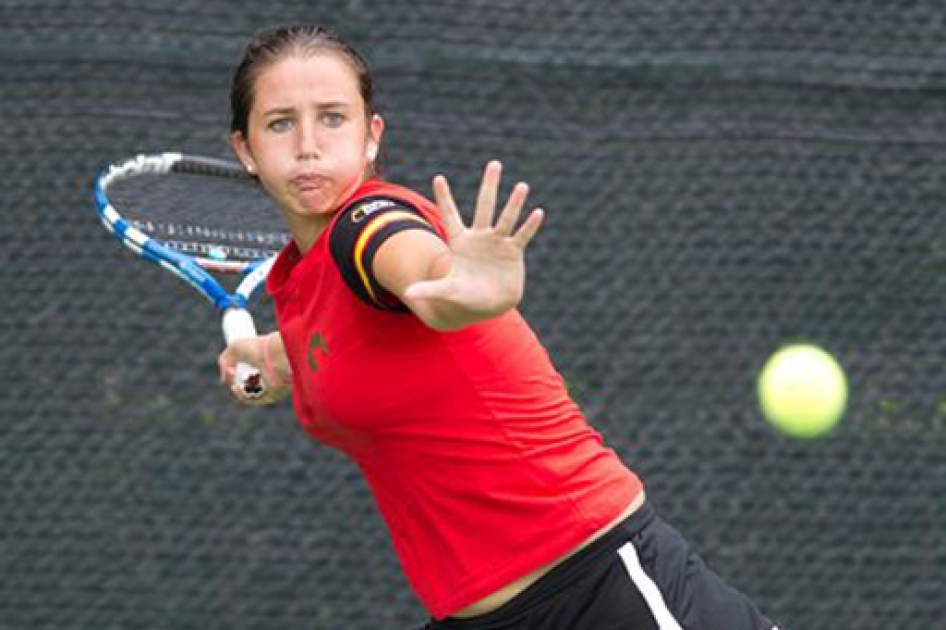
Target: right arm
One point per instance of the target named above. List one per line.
(479, 275)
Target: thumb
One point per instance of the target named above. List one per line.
(245, 350)
(430, 289)
(226, 362)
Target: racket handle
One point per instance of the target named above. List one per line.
(238, 324)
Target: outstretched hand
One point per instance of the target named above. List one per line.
(487, 271)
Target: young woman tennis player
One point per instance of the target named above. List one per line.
(399, 340)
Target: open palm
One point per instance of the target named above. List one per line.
(487, 273)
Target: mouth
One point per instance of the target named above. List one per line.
(309, 182)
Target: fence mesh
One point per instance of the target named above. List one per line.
(720, 176)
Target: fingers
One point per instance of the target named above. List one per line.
(486, 206)
(448, 207)
(506, 223)
(529, 228)
(510, 214)
(486, 200)
(239, 352)
(225, 366)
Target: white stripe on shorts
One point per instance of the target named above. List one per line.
(653, 597)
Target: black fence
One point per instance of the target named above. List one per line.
(721, 176)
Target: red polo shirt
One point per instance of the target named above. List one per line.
(482, 466)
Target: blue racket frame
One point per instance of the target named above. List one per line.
(194, 270)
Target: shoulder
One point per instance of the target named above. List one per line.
(376, 195)
(364, 224)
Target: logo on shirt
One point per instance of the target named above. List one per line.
(365, 210)
(316, 343)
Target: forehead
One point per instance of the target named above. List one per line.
(298, 80)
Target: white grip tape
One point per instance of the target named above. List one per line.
(238, 324)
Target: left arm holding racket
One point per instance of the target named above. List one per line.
(202, 218)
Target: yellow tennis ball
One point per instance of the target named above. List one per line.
(803, 391)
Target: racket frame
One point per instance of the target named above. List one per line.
(196, 271)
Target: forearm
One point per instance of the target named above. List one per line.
(446, 316)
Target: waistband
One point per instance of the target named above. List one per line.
(559, 578)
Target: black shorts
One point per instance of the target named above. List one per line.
(642, 575)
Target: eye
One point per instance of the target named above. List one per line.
(280, 125)
(333, 119)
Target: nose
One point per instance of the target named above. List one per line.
(308, 141)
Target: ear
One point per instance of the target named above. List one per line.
(375, 131)
(242, 149)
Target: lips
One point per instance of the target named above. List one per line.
(308, 182)
(312, 192)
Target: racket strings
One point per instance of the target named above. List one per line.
(214, 243)
(227, 219)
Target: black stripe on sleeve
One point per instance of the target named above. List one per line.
(356, 237)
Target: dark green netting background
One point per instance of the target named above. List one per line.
(721, 176)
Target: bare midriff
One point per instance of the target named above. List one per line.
(510, 591)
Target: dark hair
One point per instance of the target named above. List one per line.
(274, 44)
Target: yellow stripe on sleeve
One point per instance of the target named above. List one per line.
(371, 228)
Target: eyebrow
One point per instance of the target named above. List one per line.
(289, 110)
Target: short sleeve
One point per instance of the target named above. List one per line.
(356, 236)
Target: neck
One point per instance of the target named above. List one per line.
(306, 232)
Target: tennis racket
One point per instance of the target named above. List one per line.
(202, 219)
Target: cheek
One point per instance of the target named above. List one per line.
(271, 161)
(265, 144)
(272, 171)
(359, 142)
